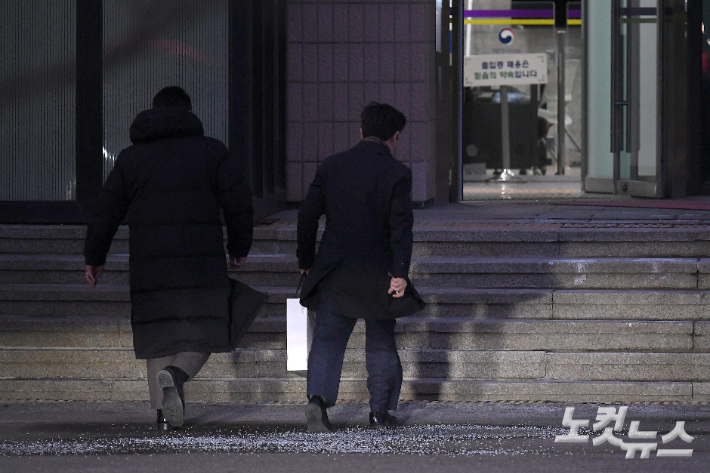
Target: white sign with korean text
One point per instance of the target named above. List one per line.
(505, 69)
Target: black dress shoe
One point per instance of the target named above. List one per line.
(171, 379)
(316, 416)
(379, 420)
(163, 422)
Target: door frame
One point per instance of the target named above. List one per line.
(257, 98)
(682, 152)
(616, 184)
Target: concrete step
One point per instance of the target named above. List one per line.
(60, 300)
(120, 363)
(505, 243)
(591, 239)
(459, 272)
(491, 303)
(53, 239)
(73, 363)
(291, 389)
(500, 239)
(523, 272)
(628, 366)
(69, 240)
(411, 333)
(562, 273)
(573, 312)
(114, 301)
(58, 269)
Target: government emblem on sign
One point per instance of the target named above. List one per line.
(506, 36)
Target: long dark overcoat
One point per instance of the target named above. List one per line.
(365, 194)
(172, 183)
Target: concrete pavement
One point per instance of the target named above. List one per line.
(451, 437)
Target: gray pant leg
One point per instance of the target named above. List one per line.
(190, 362)
(154, 365)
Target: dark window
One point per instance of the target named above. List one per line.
(76, 72)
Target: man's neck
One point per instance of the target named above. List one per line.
(388, 143)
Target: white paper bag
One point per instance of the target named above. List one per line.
(299, 334)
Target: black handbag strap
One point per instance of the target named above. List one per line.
(300, 283)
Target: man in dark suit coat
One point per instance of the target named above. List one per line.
(172, 183)
(361, 266)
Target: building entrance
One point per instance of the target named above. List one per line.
(563, 99)
(518, 58)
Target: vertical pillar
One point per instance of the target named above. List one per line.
(342, 55)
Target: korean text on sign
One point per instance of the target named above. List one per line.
(508, 69)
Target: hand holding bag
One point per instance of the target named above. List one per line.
(407, 305)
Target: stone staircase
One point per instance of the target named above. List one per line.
(570, 312)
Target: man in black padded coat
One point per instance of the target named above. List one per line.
(361, 265)
(172, 183)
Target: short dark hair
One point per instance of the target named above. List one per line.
(171, 97)
(381, 121)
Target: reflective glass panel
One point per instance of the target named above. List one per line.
(151, 45)
(38, 100)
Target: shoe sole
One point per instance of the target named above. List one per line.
(172, 405)
(314, 419)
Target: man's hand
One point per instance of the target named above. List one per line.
(304, 271)
(235, 263)
(93, 273)
(397, 287)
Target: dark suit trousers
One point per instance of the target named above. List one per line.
(325, 360)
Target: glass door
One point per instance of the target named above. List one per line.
(622, 98)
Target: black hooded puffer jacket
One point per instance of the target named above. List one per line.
(172, 183)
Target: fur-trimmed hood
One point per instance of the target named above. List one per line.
(165, 122)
